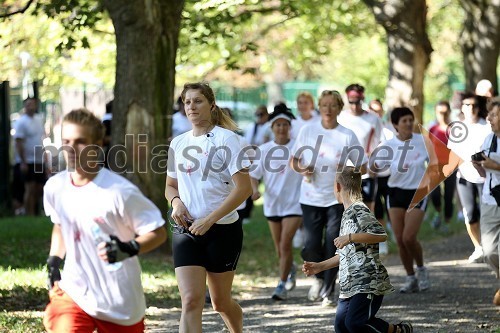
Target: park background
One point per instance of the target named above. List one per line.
(141, 52)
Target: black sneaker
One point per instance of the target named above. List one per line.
(404, 328)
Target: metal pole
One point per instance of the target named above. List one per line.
(5, 167)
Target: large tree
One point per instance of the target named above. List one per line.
(409, 50)
(480, 41)
(147, 34)
(147, 38)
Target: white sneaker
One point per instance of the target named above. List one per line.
(476, 256)
(383, 249)
(290, 282)
(328, 301)
(298, 239)
(313, 294)
(410, 286)
(246, 220)
(423, 278)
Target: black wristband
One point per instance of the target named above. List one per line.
(118, 250)
(175, 197)
(54, 261)
(54, 274)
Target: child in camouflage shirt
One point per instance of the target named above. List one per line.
(363, 279)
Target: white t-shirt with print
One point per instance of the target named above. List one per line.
(475, 136)
(31, 131)
(203, 166)
(408, 163)
(282, 193)
(494, 175)
(324, 148)
(118, 208)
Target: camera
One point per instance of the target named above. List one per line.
(477, 157)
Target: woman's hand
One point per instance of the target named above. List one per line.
(180, 214)
(341, 241)
(308, 174)
(201, 226)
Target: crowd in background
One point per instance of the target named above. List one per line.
(301, 205)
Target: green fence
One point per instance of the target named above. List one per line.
(292, 89)
(241, 102)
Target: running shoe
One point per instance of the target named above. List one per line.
(290, 282)
(476, 256)
(404, 328)
(423, 278)
(313, 294)
(328, 301)
(279, 293)
(410, 286)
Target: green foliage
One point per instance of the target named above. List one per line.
(257, 36)
(446, 68)
(52, 63)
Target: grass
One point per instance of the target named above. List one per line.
(24, 246)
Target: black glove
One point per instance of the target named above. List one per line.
(118, 250)
(53, 265)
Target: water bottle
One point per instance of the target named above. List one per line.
(99, 237)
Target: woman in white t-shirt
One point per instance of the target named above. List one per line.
(207, 179)
(306, 113)
(408, 155)
(469, 181)
(281, 196)
(322, 147)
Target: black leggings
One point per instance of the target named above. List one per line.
(315, 220)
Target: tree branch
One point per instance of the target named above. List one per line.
(19, 11)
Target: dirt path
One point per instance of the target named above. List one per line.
(459, 300)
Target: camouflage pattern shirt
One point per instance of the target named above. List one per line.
(361, 270)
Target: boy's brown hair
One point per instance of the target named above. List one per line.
(84, 117)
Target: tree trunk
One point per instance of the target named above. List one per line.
(147, 33)
(480, 41)
(409, 50)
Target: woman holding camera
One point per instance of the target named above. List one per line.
(490, 205)
(465, 140)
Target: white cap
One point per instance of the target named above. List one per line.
(281, 116)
